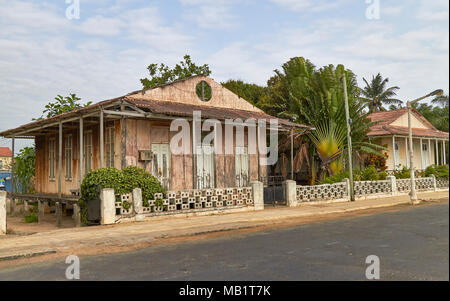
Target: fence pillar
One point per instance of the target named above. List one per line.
(290, 193)
(393, 181)
(347, 185)
(77, 215)
(58, 212)
(137, 204)
(258, 194)
(2, 212)
(107, 206)
(40, 211)
(434, 182)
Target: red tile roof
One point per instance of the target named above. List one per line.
(5, 152)
(383, 126)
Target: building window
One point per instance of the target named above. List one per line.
(68, 156)
(109, 141)
(241, 166)
(87, 152)
(161, 163)
(51, 159)
(1, 165)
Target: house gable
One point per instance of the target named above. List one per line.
(183, 91)
(415, 122)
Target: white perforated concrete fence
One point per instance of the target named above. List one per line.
(193, 201)
(363, 189)
(2, 212)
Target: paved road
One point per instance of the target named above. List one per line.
(412, 244)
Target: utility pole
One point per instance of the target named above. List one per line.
(349, 139)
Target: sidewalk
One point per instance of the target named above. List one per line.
(121, 235)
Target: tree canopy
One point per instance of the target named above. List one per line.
(163, 74)
(62, 105)
(375, 94)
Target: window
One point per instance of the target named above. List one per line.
(241, 166)
(1, 164)
(87, 152)
(203, 91)
(51, 159)
(161, 163)
(109, 141)
(68, 156)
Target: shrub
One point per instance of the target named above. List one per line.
(369, 174)
(376, 160)
(31, 217)
(402, 174)
(382, 175)
(438, 171)
(122, 181)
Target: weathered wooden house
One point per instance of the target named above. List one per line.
(134, 130)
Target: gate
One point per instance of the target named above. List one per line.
(273, 190)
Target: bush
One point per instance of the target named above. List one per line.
(31, 217)
(402, 174)
(369, 174)
(382, 175)
(122, 181)
(438, 171)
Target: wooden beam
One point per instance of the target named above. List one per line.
(60, 159)
(81, 151)
(12, 165)
(102, 140)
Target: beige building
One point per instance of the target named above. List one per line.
(5, 158)
(391, 131)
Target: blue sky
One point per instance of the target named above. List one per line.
(105, 52)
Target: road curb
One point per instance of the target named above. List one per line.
(26, 255)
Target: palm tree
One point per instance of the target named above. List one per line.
(375, 94)
(441, 100)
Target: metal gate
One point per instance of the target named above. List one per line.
(273, 190)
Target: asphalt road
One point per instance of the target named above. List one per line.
(412, 244)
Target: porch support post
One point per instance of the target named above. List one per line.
(393, 152)
(436, 149)
(12, 165)
(59, 159)
(292, 154)
(407, 153)
(430, 154)
(101, 139)
(81, 151)
(421, 155)
(444, 160)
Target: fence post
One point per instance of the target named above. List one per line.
(77, 215)
(58, 213)
(290, 193)
(107, 206)
(40, 211)
(347, 184)
(434, 182)
(2, 212)
(258, 194)
(137, 204)
(393, 184)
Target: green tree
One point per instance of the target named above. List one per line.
(438, 116)
(62, 105)
(315, 97)
(162, 74)
(375, 94)
(253, 93)
(24, 169)
(441, 100)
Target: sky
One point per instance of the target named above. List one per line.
(47, 49)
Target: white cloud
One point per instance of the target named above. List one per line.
(209, 14)
(99, 25)
(310, 5)
(436, 10)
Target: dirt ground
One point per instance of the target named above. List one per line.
(49, 224)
